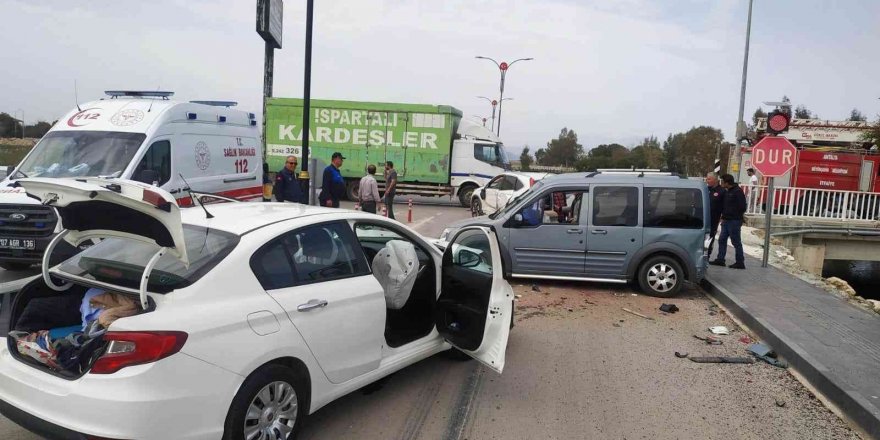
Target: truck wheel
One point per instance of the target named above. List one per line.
(15, 266)
(661, 276)
(351, 190)
(464, 194)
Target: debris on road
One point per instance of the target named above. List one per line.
(518, 296)
(721, 360)
(681, 355)
(765, 353)
(669, 308)
(745, 340)
(589, 302)
(780, 403)
(636, 313)
(536, 288)
(710, 340)
(719, 330)
(616, 324)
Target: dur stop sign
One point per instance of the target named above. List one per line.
(773, 156)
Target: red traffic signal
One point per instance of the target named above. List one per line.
(777, 122)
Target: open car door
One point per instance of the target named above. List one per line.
(475, 306)
(100, 208)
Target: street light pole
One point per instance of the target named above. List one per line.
(740, 122)
(307, 94)
(493, 103)
(502, 67)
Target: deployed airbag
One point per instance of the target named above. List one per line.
(396, 267)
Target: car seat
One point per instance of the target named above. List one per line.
(318, 255)
(396, 266)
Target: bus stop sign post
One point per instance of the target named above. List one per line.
(772, 156)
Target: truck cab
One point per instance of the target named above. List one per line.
(204, 146)
(477, 156)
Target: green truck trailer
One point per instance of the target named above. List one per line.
(434, 150)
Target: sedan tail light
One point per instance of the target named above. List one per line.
(125, 349)
(531, 181)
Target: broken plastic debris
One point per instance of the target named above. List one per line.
(765, 353)
(681, 355)
(719, 330)
(669, 308)
(711, 340)
(722, 360)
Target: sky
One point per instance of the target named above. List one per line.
(613, 71)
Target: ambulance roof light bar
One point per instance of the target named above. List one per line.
(226, 104)
(113, 94)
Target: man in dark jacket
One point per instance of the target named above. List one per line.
(732, 212)
(716, 201)
(287, 186)
(332, 183)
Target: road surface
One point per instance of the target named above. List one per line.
(580, 367)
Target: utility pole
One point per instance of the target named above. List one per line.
(740, 123)
(307, 104)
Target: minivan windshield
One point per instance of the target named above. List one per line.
(515, 201)
(81, 154)
(121, 262)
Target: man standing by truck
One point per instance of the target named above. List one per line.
(390, 187)
(731, 223)
(368, 191)
(332, 184)
(287, 187)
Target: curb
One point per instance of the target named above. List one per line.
(851, 402)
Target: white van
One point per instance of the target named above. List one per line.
(142, 136)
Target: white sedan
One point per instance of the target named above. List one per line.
(502, 189)
(249, 316)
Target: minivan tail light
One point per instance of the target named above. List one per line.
(125, 349)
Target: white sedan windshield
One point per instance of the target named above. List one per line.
(81, 153)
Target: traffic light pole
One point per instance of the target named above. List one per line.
(768, 212)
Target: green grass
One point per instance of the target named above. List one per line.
(13, 154)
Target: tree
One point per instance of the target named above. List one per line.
(605, 156)
(693, 153)
(525, 161)
(564, 150)
(856, 115)
(759, 113)
(873, 135)
(540, 156)
(801, 112)
(648, 154)
(8, 125)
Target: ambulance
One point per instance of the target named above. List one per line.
(203, 146)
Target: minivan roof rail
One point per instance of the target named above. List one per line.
(113, 94)
(217, 103)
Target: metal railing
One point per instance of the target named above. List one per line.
(823, 204)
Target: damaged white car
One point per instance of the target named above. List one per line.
(232, 320)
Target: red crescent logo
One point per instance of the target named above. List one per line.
(82, 115)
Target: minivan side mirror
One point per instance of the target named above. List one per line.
(148, 176)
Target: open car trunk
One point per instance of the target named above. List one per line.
(46, 328)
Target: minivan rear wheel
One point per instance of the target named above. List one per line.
(269, 405)
(661, 276)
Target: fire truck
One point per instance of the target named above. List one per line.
(832, 155)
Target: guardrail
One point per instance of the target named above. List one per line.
(822, 204)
